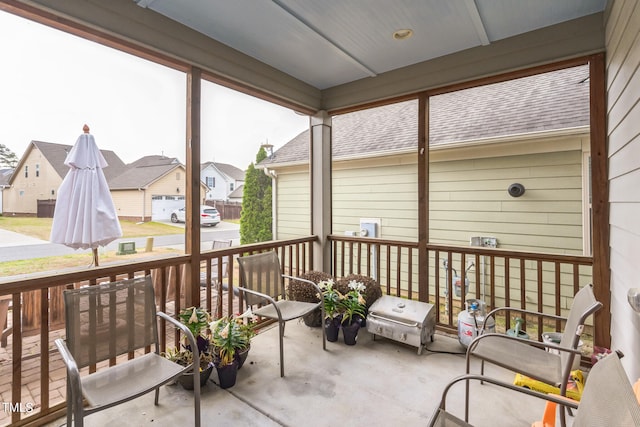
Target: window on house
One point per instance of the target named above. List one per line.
(26, 171)
(177, 176)
(37, 170)
(231, 187)
(21, 193)
(211, 181)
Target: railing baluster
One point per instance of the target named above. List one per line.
(540, 290)
(410, 273)
(558, 299)
(16, 386)
(507, 293)
(44, 348)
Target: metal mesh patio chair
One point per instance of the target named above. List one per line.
(5, 329)
(217, 274)
(530, 358)
(608, 398)
(263, 285)
(109, 320)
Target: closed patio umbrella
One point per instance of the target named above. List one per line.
(85, 216)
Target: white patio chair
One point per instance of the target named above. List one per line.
(109, 320)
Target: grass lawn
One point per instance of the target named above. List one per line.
(57, 263)
(40, 228)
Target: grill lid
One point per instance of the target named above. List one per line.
(401, 309)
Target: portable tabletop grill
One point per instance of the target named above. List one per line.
(407, 321)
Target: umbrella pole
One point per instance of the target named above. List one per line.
(95, 257)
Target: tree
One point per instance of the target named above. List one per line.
(256, 217)
(7, 157)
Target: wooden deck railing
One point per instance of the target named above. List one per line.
(33, 376)
(535, 281)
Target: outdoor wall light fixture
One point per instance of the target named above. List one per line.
(633, 296)
(516, 190)
(178, 190)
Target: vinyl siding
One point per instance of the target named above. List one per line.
(623, 96)
(468, 197)
(130, 203)
(34, 188)
(385, 190)
(293, 218)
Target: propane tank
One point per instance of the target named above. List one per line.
(470, 321)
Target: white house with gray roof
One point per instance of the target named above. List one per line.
(147, 189)
(533, 131)
(221, 179)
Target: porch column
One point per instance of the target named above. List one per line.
(192, 199)
(320, 176)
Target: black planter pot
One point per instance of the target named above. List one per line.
(227, 374)
(350, 333)
(186, 380)
(332, 327)
(241, 356)
(362, 321)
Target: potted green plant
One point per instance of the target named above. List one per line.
(301, 290)
(230, 337)
(197, 320)
(371, 292)
(353, 308)
(332, 309)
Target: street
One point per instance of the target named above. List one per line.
(15, 247)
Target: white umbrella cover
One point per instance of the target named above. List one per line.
(85, 216)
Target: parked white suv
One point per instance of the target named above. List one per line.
(208, 215)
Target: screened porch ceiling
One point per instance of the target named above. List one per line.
(332, 42)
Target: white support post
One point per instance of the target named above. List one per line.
(320, 176)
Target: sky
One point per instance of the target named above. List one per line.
(52, 83)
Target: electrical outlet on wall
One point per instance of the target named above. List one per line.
(489, 242)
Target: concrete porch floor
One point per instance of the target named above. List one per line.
(374, 383)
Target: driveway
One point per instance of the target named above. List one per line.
(15, 246)
(10, 238)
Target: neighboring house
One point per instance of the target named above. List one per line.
(40, 172)
(533, 131)
(150, 189)
(222, 179)
(147, 189)
(5, 174)
(236, 195)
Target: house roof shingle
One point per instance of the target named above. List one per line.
(56, 154)
(5, 174)
(237, 193)
(231, 171)
(543, 102)
(143, 172)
